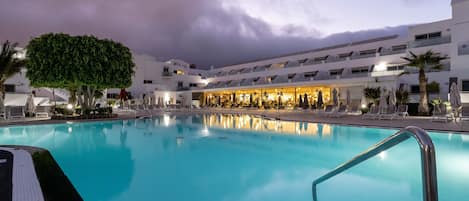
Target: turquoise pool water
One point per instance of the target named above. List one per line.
(239, 158)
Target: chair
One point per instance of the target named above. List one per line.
(16, 112)
(355, 110)
(342, 111)
(328, 110)
(464, 115)
(441, 113)
(402, 111)
(390, 113)
(372, 114)
(42, 111)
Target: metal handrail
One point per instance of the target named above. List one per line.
(427, 155)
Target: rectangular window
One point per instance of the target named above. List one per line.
(147, 81)
(310, 74)
(465, 85)
(9, 88)
(193, 85)
(180, 84)
(165, 69)
(363, 69)
(367, 52)
(415, 89)
(335, 72)
(399, 47)
(320, 58)
(434, 35)
(291, 76)
(421, 37)
(112, 95)
(394, 68)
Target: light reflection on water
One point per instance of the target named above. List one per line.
(238, 157)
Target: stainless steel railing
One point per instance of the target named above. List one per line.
(427, 155)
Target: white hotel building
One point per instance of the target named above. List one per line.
(346, 67)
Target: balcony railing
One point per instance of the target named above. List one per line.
(362, 56)
(430, 42)
(335, 59)
(385, 52)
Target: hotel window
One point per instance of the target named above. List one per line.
(465, 85)
(434, 35)
(394, 68)
(9, 87)
(180, 84)
(335, 72)
(192, 84)
(421, 37)
(399, 47)
(165, 69)
(363, 69)
(367, 52)
(147, 81)
(414, 89)
(291, 76)
(344, 55)
(310, 74)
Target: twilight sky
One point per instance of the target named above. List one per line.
(217, 32)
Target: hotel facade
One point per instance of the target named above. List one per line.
(345, 69)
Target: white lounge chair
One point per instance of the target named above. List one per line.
(402, 111)
(328, 110)
(464, 115)
(373, 113)
(441, 113)
(15, 112)
(42, 111)
(342, 111)
(390, 113)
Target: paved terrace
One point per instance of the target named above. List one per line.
(287, 115)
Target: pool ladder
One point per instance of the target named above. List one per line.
(427, 158)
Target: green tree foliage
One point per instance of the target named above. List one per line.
(82, 63)
(423, 62)
(402, 97)
(372, 94)
(9, 64)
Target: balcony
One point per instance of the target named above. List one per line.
(385, 52)
(430, 42)
(362, 56)
(335, 59)
(463, 49)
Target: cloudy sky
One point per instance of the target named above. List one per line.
(217, 32)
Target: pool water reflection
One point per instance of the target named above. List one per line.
(232, 157)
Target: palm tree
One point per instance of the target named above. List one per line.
(422, 62)
(9, 65)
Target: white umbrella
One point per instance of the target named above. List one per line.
(30, 107)
(392, 97)
(334, 97)
(348, 98)
(382, 101)
(455, 97)
(2, 104)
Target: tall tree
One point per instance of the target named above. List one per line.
(10, 64)
(423, 62)
(83, 63)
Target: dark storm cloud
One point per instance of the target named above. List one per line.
(198, 31)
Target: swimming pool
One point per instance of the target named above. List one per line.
(239, 158)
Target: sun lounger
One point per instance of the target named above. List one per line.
(441, 113)
(16, 112)
(402, 111)
(355, 110)
(464, 116)
(328, 110)
(373, 113)
(42, 111)
(342, 111)
(390, 113)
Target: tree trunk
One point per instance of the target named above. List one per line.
(2, 96)
(423, 103)
(86, 98)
